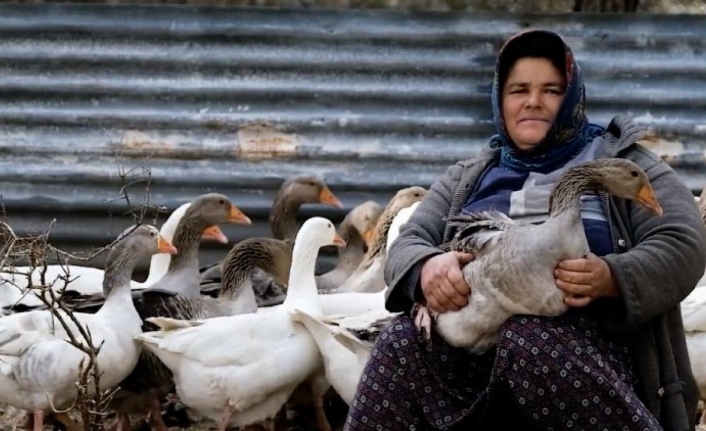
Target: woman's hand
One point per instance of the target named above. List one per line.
(584, 280)
(442, 281)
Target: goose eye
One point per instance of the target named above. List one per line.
(329, 225)
(221, 202)
(633, 173)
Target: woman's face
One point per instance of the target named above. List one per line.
(531, 97)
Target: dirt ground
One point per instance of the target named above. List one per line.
(176, 417)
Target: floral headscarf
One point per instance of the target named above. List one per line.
(570, 132)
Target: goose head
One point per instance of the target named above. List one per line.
(406, 197)
(364, 218)
(143, 241)
(625, 179)
(402, 199)
(317, 232)
(214, 209)
(309, 189)
(132, 245)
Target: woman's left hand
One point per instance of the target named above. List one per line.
(584, 280)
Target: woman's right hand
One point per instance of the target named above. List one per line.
(442, 281)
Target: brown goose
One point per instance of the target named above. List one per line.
(368, 276)
(268, 254)
(513, 271)
(357, 230)
(295, 192)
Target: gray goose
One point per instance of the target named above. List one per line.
(42, 368)
(201, 219)
(513, 271)
(357, 230)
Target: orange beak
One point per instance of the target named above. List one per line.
(326, 197)
(646, 196)
(368, 236)
(338, 241)
(215, 233)
(164, 246)
(237, 216)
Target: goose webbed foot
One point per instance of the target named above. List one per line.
(422, 320)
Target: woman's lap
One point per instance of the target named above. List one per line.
(553, 373)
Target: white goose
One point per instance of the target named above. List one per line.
(242, 369)
(85, 280)
(39, 369)
(368, 276)
(401, 218)
(344, 354)
(346, 304)
(693, 311)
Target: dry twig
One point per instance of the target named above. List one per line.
(91, 400)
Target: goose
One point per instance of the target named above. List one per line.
(357, 230)
(368, 276)
(513, 271)
(199, 221)
(401, 218)
(693, 311)
(39, 368)
(270, 255)
(294, 192)
(345, 339)
(149, 379)
(241, 369)
(85, 280)
(350, 304)
(345, 344)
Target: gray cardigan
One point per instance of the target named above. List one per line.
(666, 258)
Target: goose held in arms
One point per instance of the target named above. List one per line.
(513, 269)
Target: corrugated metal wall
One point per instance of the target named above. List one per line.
(370, 100)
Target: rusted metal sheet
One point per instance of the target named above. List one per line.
(235, 100)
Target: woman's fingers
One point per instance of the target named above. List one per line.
(443, 284)
(458, 282)
(454, 299)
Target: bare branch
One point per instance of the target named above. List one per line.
(91, 400)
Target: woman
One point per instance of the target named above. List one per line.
(617, 360)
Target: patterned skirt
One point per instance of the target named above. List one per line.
(545, 373)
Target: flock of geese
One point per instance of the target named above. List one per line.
(240, 339)
(236, 340)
